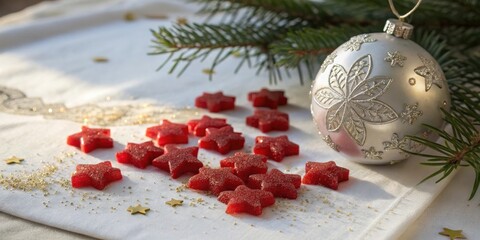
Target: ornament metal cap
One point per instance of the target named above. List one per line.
(398, 28)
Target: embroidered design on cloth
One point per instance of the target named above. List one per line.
(14, 101)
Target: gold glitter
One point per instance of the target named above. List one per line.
(138, 209)
(129, 16)
(13, 160)
(29, 181)
(181, 188)
(100, 59)
(182, 21)
(174, 202)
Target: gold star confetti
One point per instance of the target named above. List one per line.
(129, 16)
(208, 71)
(182, 21)
(100, 59)
(452, 234)
(138, 209)
(174, 202)
(13, 160)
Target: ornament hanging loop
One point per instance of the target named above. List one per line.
(402, 17)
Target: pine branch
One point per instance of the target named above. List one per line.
(360, 11)
(249, 11)
(466, 102)
(449, 13)
(295, 21)
(461, 148)
(197, 41)
(307, 46)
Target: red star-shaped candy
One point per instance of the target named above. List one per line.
(245, 164)
(178, 161)
(95, 175)
(139, 155)
(280, 184)
(275, 148)
(168, 132)
(215, 102)
(268, 120)
(267, 98)
(222, 140)
(215, 180)
(198, 126)
(246, 200)
(90, 139)
(327, 174)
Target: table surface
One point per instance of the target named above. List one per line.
(450, 209)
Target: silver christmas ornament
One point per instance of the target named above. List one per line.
(374, 90)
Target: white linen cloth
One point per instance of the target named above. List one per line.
(51, 59)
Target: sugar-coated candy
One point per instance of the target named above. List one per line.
(280, 184)
(168, 133)
(244, 164)
(178, 161)
(268, 120)
(90, 139)
(215, 180)
(139, 155)
(267, 98)
(275, 148)
(327, 174)
(198, 126)
(95, 175)
(222, 140)
(215, 102)
(246, 200)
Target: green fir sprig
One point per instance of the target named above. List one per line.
(283, 35)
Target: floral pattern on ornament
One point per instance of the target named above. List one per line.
(372, 153)
(410, 113)
(351, 99)
(431, 73)
(328, 60)
(396, 143)
(355, 43)
(328, 140)
(395, 58)
(405, 143)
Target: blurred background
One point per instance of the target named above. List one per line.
(9, 6)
